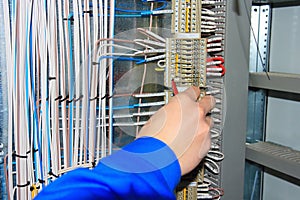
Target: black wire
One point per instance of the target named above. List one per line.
(256, 42)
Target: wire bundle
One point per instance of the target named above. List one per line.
(60, 65)
(62, 110)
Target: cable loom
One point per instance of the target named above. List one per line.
(64, 60)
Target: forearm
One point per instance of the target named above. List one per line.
(144, 169)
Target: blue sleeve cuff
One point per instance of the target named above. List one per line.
(146, 155)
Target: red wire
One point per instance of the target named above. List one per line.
(174, 87)
(223, 69)
(210, 59)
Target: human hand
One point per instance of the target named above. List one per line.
(183, 125)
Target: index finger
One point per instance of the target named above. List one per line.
(207, 103)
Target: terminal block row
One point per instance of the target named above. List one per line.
(186, 17)
(186, 62)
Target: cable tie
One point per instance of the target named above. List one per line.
(64, 99)
(70, 101)
(58, 98)
(24, 185)
(87, 11)
(41, 181)
(106, 96)
(52, 174)
(79, 98)
(51, 78)
(34, 187)
(19, 156)
(95, 98)
(70, 19)
(93, 164)
(95, 63)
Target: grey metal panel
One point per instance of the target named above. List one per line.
(277, 2)
(274, 156)
(237, 40)
(259, 38)
(273, 1)
(259, 52)
(278, 81)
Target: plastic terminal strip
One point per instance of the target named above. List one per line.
(194, 57)
(186, 16)
(186, 61)
(188, 193)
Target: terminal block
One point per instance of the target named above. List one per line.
(187, 16)
(188, 193)
(186, 62)
(187, 189)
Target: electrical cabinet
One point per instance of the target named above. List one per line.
(273, 136)
(260, 137)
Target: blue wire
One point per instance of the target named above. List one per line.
(140, 11)
(112, 105)
(71, 89)
(36, 132)
(141, 61)
(114, 108)
(47, 114)
(123, 58)
(124, 107)
(35, 121)
(125, 15)
(26, 72)
(128, 15)
(35, 128)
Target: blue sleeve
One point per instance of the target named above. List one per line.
(145, 169)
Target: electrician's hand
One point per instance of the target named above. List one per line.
(183, 125)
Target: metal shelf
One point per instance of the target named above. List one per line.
(277, 3)
(274, 156)
(283, 82)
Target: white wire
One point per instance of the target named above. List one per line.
(77, 79)
(44, 94)
(104, 46)
(51, 40)
(38, 169)
(84, 58)
(111, 35)
(9, 90)
(151, 35)
(151, 42)
(93, 91)
(62, 79)
(100, 145)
